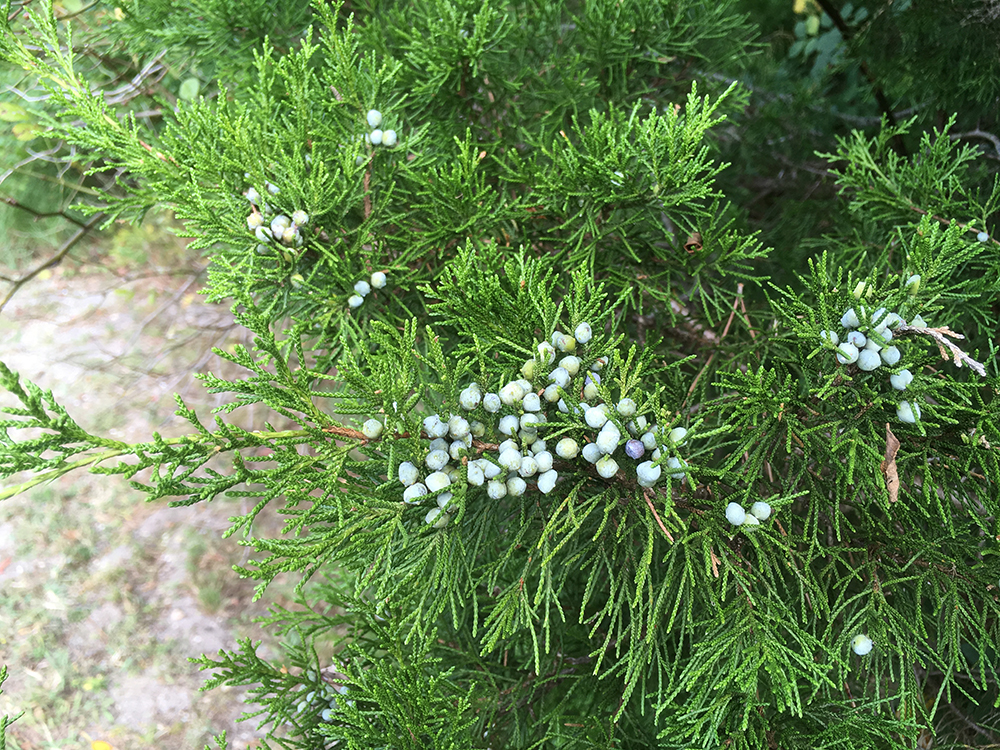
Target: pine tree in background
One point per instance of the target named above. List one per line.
(591, 450)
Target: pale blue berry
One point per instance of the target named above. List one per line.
(510, 459)
(438, 444)
(374, 118)
(362, 288)
(583, 333)
(647, 474)
(434, 427)
(512, 393)
(547, 352)
(490, 469)
(626, 407)
(917, 322)
(372, 429)
(530, 422)
(677, 435)
(567, 448)
(592, 453)
(676, 463)
(279, 224)
(607, 467)
(913, 283)
(456, 448)
(901, 379)
(982, 236)
(551, 393)
(508, 425)
(475, 474)
(565, 343)
(253, 196)
(413, 492)
(470, 397)
(300, 218)
(458, 427)
(531, 402)
(890, 355)
(272, 189)
(255, 220)
(492, 403)
(861, 645)
(637, 426)
(560, 377)
(375, 137)
(505, 445)
(547, 481)
(437, 518)
(648, 440)
(751, 520)
(443, 499)
(907, 412)
(847, 354)
(496, 489)
(538, 446)
(869, 360)
(528, 467)
(389, 138)
(408, 473)
(437, 481)
(850, 319)
(830, 336)
(570, 364)
(543, 461)
(608, 437)
(761, 510)
(378, 280)
(595, 417)
(516, 486)
(857, 339)
(599, 364)
(263, 234)
(735, 514)
(436, 460)
(355, 300)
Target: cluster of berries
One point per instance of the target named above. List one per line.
(361, 289)
(737, 516)
(379, 137)
(543, 400)
(868, 345)
(323, 700)
(284, 229)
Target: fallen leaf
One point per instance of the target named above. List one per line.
(889, 464)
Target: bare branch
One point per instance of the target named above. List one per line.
(53, 260)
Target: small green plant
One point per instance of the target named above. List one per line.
(567, 468)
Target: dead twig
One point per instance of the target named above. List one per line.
(945, 346)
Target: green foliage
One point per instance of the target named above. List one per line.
(558, 165)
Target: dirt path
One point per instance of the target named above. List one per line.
(105, 596)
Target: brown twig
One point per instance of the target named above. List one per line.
(939, 334)
(656, 515)
(53, 260)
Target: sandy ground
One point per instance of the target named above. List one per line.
(105, 596)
